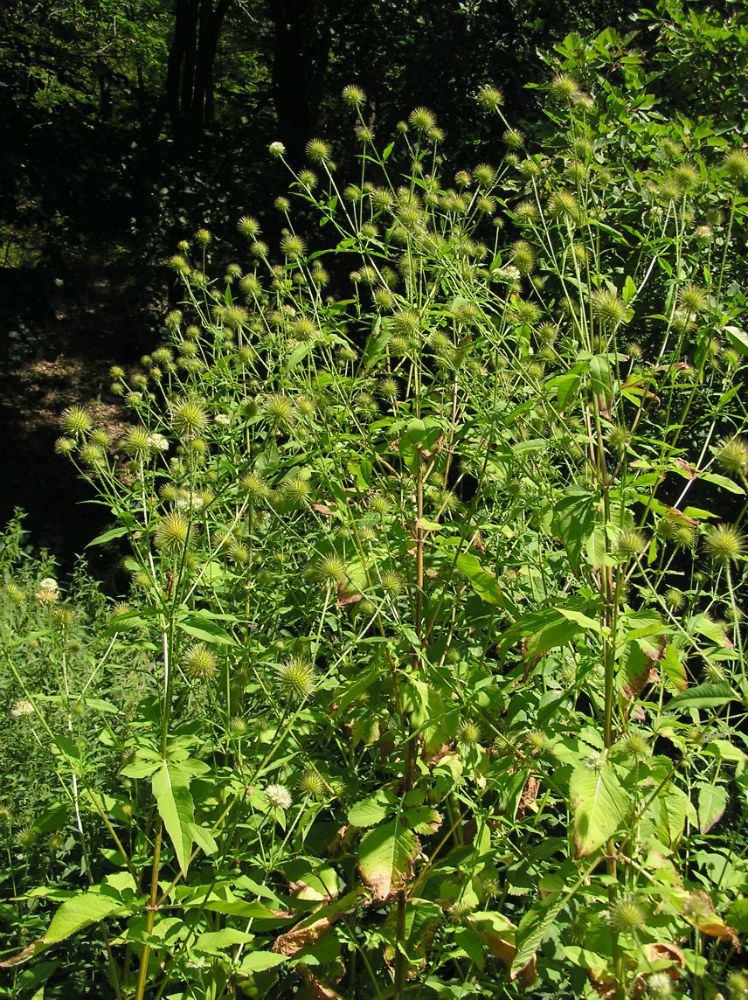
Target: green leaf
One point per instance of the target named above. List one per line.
(213, 941)
(484, 583)
(534, 928)
(602, 383)
(259, 961)
(171, 788)
(200, 626)
(737, 338)
(712, 805)
(723, 481)
(107, 536)
(385, 859)
(573, 521)
(372, 810)
(600, 805)
(702, 696)
(79, 912)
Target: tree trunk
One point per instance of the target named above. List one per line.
(299, 64)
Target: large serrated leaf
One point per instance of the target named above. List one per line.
(600, 805)
(385, 859)
(702, 696)
(171, 789)
(79, 912)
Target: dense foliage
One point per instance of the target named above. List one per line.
(431, 676)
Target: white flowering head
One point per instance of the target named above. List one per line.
(21, 709)
(47, 592)
(278, 796)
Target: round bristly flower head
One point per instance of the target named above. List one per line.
(563, 88)
(279, 409)
(631, 543)
(732, 456)
(490, 98)
(318, 151)
(296, 679)
(736, 166)
(249, 226)
(188, 416)
(277, 149)
(311, 783)
(608, 308)
(692, 299)
(627, 915)
(513, 139)
(724, 543)
(293, 246)
(200, 661)
(737, 986)
(330, 570)
(563, 205)
(422, 120)
(76, 421)
(468, 734)
(137, 442)
(278, 796)
(174, 534)
(353, 96)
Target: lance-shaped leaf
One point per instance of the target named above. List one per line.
(385, 859)
(600, 805)
(80, 911)
(171, 788)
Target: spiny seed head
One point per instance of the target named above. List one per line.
(308, 180)
(523, 257)
(484, 175)
(692, 299)
(13, 592)
(724, 543)
(65, 446)
(293, 246)
(279, 409)
(137, 442)
(203, 236)
(277, 149)
(635, 745)
(392, 583)
(732, 456)
(490, 98)
(631, 543)
(200, 661)
(422, 119)
(234, 317)
(736, 166)
(526, 212)
(237, 725)
(407, 322)
(674, 598)
(306, 406)
(75, 420)
(294, 492)
(296, 679)
(468, 733)
(486, 205)
(563, 205)
(278, 796)
(683, 537)
(513, 139)
(249, 226)
(311, 783)
(174, 534)
(179, 264)
(618, 437)
(304, 329)
(737, 986)
(563, 88)
(353, 96)
(627, 915)
(330, 570)
(318, 150)
(608, 308)
(188, 416)
(254, 486)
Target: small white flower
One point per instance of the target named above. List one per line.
(278, 796)
(276, 149)
(158, 442)
(21, 709)
(223, 419)
(47, 592)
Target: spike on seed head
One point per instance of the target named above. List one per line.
(353, 96)
(422, 119)
(724, 543)
(490, 98)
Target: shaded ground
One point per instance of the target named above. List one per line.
(59, 336)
